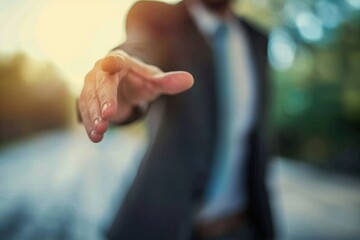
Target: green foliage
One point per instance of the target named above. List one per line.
(315, 113)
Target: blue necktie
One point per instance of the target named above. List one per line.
(218, 180)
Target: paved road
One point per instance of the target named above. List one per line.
(313, 204)
(60, 186)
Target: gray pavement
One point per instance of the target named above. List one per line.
(314, 204)
(58, 185)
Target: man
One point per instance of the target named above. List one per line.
(203, 176)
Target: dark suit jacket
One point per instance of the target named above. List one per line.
(170, 182)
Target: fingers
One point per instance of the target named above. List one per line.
(113, 63)
(136, 89)
(91, 105)
(174, 82)
(98, 101)
(87, 117)
(106, 89)
(144, 82)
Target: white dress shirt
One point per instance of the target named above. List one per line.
(233, 195)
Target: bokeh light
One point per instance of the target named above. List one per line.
(309, 26)
(329, 13)
(282, 50)
(292, 8)
(354, 3)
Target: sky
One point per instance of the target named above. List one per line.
(72, 34)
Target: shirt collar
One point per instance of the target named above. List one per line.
(206, 21)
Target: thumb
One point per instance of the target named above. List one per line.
(174, 82)
(112, 63)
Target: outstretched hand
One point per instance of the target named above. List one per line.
(118, 83)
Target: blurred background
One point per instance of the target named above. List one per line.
(55, 184)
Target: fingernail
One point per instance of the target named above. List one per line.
(96, 122)
(93, 133)
(106, 106)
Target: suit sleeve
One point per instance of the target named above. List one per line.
(144, 40)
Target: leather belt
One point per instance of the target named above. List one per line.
(222, 226)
